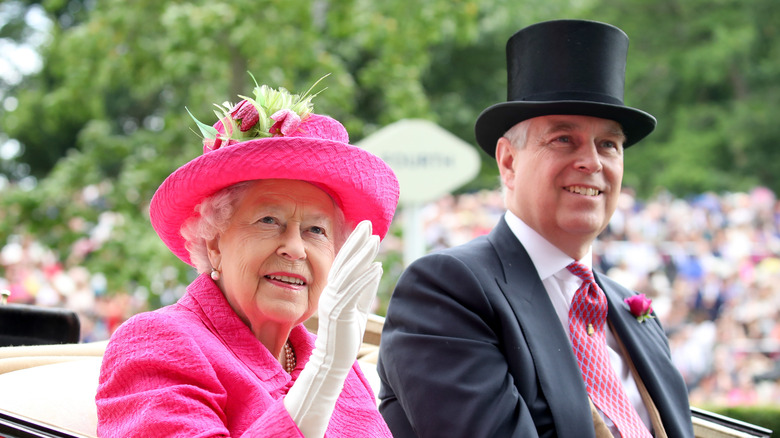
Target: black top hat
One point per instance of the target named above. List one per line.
(572, 67)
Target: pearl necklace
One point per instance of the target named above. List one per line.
(289, 358)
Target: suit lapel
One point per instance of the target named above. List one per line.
(644, 343)
(556, 366)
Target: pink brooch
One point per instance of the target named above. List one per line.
(640, 306)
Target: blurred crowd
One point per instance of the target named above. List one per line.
(710, 263)
(33, 274)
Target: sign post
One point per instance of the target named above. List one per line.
(429, 163)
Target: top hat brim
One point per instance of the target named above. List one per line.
(497, 119)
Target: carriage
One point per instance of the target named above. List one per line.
(48, 379)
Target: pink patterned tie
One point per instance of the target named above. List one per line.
(587, 320)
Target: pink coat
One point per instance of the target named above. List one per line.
(194, 369)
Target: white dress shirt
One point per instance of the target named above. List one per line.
(550, 263)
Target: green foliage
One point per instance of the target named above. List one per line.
(708, 71)
(107, 110)
(106, 113)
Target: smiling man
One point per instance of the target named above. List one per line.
(512, 334)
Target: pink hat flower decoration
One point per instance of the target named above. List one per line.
(640, 306)
(287, 122)
(246, 115)
(269, 113)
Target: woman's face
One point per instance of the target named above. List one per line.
(275, 254)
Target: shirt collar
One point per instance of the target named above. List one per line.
(546, 257)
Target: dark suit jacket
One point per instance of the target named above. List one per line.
(472, 347)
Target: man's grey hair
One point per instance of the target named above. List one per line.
(518, 137)
(213, 217)
(518, 134)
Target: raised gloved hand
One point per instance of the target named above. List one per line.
(342, 311)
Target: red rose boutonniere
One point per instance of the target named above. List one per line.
(640, 306)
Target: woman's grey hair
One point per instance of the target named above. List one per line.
(214, 214)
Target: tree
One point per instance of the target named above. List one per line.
(21, 26)
(103, 123)
(708, 71)
(110, 100)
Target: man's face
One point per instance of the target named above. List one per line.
(565, 181)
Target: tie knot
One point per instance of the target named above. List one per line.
(581, 271)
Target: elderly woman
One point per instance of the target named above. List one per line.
(264, 216)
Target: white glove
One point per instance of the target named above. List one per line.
(343, 310)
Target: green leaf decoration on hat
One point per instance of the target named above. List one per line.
(207, 131)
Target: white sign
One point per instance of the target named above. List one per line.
(428, 160)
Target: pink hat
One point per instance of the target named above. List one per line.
(292, 143)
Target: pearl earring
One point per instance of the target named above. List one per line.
(215, 275)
